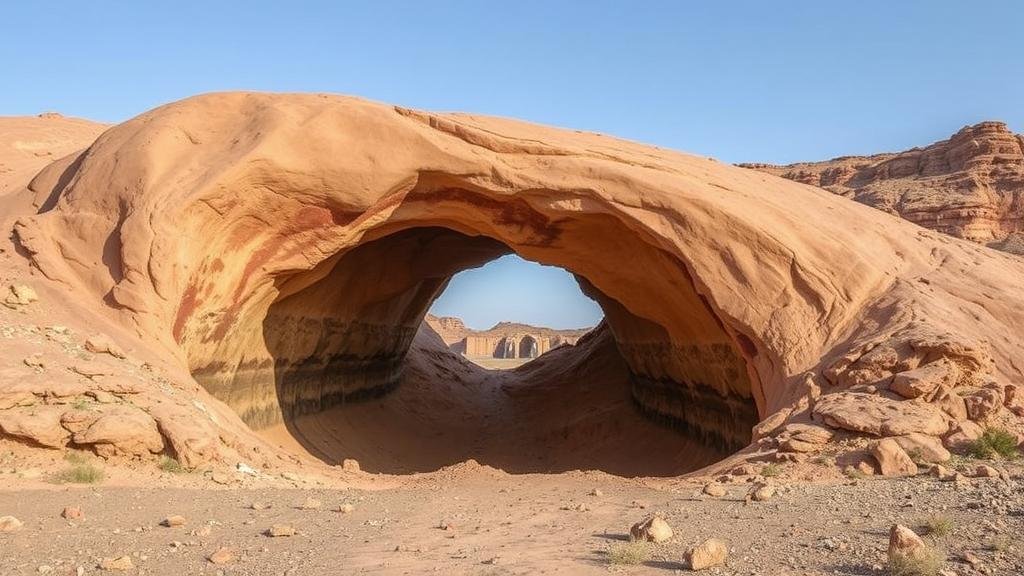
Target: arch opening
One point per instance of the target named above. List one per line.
(340, 342)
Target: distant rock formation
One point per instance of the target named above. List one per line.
(970, 186)
(503, 340)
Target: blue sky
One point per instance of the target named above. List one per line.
(511, 288)
(739, 81)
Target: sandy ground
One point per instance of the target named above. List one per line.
(573, 412)
(507, 524)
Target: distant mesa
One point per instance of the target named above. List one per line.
(505, 340)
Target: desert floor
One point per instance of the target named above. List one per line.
(498, 523)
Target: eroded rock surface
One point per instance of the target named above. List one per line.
(732, 297)
(970, 186)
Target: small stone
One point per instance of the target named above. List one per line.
(119, 564)
(72, 513)
(712, 552)
(762, 493)
(350, 465)
(714, 489)
(257, 506)
(904, 542)
(222, 556)
(280, 530)
(173, 521)
(596, 492)
(985, 471)
(651, 529)
(9, 524)
(346, 508)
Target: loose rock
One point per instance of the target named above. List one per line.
(712, 552)
(652, 529)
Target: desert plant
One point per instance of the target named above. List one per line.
(80, 404)
(76, 456)
(629, 553)
(170, 465)
(995, 443)
(926, 561)
(81, 474)
(770, 470)
(938, 526)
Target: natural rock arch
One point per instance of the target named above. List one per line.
(285, 247)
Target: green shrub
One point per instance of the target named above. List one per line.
(938, 526)
(770, 470)
(995, 443)
(923, 562)
(170, 465)
(81, 474)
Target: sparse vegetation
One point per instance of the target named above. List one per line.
(80, 404)
(1000, 543)
(938, 526)
(926, 561)
(854, 473)
(771, 470)
(77, 457)
(629, 553)
(995, 443)
(81, 474)
(171, 465)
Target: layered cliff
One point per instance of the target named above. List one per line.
(970, 186)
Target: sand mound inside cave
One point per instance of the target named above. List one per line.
(281, 251)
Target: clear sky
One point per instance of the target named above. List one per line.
(511, 288)
(740, 81)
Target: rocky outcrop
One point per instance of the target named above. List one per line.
(284, 249)
(970, 186)
(503, 340)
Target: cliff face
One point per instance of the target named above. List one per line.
(970, 186)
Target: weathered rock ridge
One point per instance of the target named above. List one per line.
(503, 340)
(970, 186)
(282, 250)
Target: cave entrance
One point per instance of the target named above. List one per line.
(357, 374)
(323, 350)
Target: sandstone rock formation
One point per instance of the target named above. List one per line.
(282, 250)
(970, 186)
(503, 340)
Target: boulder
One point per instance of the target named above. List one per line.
(904, 542)
(984, 403)
(925, 379)
(710, 553)
(36, 424)
(9, 524)
(122, 431)
(879, 416)
(964, 435)
(947, 400)
(714, 489)
(892, 459)
(652, 529)
(191, 435)
(923, 448)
